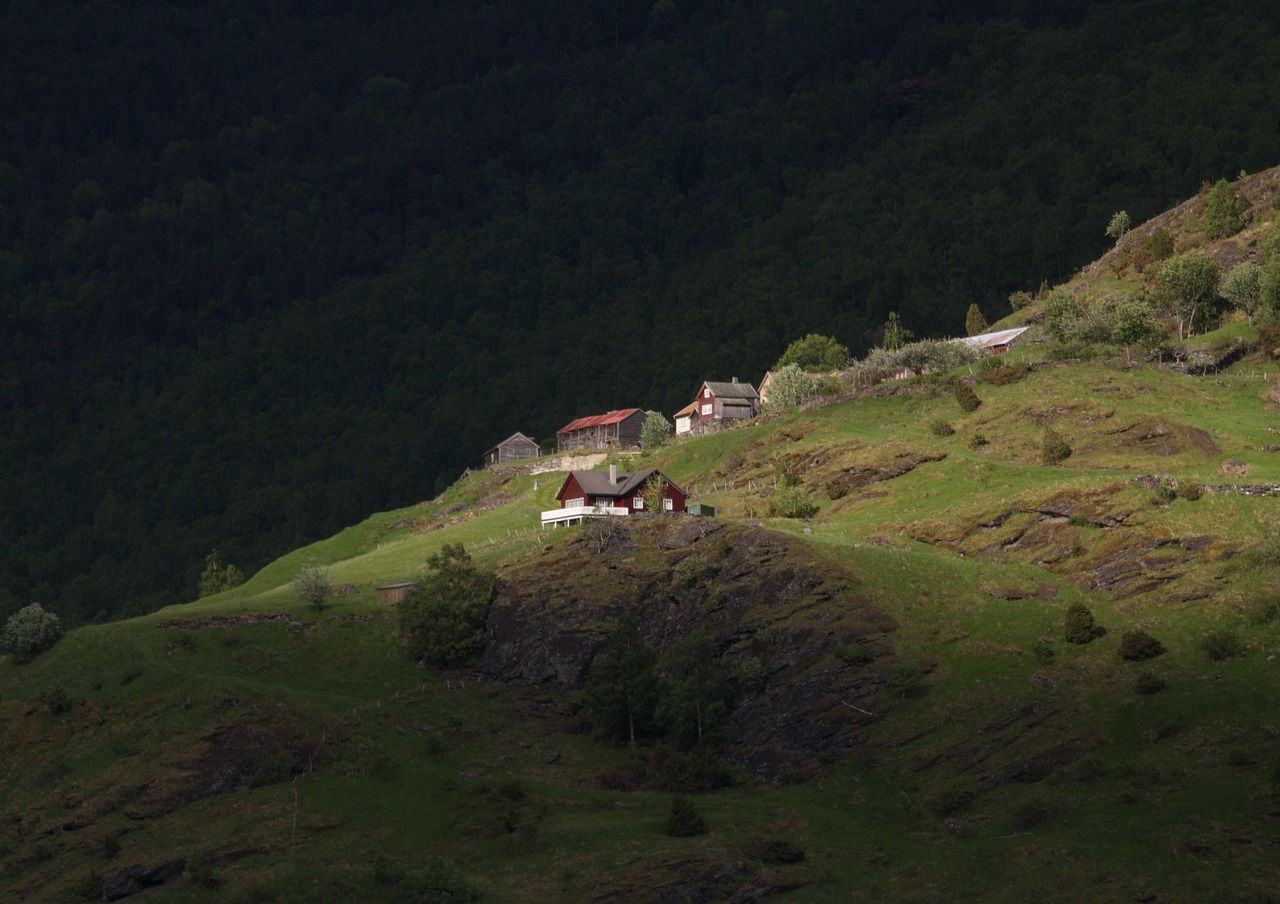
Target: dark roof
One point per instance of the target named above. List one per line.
(599, 420)
(596, 483)
(732, 390)
(513, 436)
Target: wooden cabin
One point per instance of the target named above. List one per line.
(586, 494)
(515, 447)
(612, 430)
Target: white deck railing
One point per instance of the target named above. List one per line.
(574, 514)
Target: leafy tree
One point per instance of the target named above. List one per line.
(655, 430)
(1189, 282)
(442, 619)
(1053, 448)
(1078, 626)
(965, 397)
(694, 694)
(654, 494)
(974, 323)
(1132, 324)
(684, 820)
(1269, 288)
(1242, 287)
(29, 632)
(791, 502)
(311, 584)
(815, 353)
(1222, 211)
(790, 386)
(622, 687)
(895, 334)
(1065, 319)
(1119, 224)
(218, 577)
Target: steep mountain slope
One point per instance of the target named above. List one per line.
(914, 725)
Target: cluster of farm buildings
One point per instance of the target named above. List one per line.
(715, 406)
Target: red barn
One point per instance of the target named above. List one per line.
(612, 430)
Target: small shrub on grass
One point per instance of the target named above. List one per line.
(1222, 645)
(775, 851)
(1164, 493)
(838, 487)
(1043, 653)
(791, 502)
(1190, 492)
(1264, 612)
(1053, 448)
(55, 697)
(387, 872)
(684, 821)
(1002, 375)
(977, 441)
(965, 397)
(855, 654)
(1148, 683)
(1137, 646)
(1078, 625)
(949, 803)
(941, 427)
(1030, 815)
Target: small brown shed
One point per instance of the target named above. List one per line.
(391, 594)
(515, 447)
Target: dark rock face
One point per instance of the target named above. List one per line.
(757, 597)
(133, 879)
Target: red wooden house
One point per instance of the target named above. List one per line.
(587, 493)
(718, 405)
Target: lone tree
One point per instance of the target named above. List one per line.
(1189, 282)
(695, 695)
(1242, 288)
(974, 323)
(311, 584)
(1132, 324)
(790, 386)
(815, 353)
(442, 619)
(1119, 224)
(218, 577)
(895, 334)
(622, 687)
(29, 632)
(655, 430)
(1222, 211)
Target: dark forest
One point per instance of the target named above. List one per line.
(268, 267)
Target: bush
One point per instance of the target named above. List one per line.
(949, 803)
(691, 571)
(655, 430)
(789, 388)
(1053, 448)
(1222, 212)
(1154, 247)
(1164, 493)
(1005, 374)
(941, 427)
(791, 502)
(442, 619)
(838, 487)
(1032, 814)
(1222, 645)
(978, 440)
(814, 353)
(1078, 626)
(311, 584)
(774, 851)
(1148, 683)
(1043, 653)
(684, 821)
(1190, 492)
(29, 632)
(55, 697)
(1137, 646)
(965, 397)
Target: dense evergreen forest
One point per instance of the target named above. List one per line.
(266, 267)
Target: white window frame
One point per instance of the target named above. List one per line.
(707, 409)
(668, 504)
(706, 393)
(638, 503)
(576, 502)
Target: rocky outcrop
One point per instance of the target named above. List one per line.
(779, 622)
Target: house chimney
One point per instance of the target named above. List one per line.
(613, 474)
(734, 380)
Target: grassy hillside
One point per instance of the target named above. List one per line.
(286, 755)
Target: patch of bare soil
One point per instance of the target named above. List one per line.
(1164, 437)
